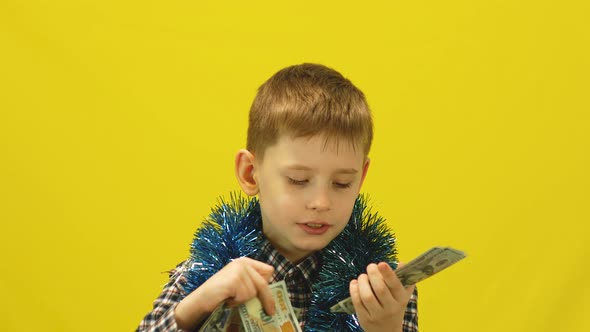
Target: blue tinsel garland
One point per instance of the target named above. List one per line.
(233, 230)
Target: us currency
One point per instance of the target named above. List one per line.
(420, 268)
(223, 319)
(251, 316)
(255, 319)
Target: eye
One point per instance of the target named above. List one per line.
(342, 185)
(297, 182)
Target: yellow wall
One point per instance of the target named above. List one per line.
(119, 121)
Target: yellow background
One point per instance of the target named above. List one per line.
(119, 121)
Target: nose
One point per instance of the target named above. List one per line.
(320, 200)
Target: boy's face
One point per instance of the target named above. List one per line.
(307, 190)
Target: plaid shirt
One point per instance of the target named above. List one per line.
(297, 278)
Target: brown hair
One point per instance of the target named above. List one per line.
(306, 100)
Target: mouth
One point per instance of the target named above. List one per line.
(314, 228)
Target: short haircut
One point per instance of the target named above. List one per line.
(307, 100)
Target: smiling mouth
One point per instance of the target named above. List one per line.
(312, 225)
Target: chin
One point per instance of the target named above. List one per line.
(312, 247)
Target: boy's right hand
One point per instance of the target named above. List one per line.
(239, 281)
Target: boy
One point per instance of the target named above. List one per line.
(309, 134)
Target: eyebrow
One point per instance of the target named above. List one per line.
(305, 168)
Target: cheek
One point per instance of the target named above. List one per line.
(280, 206)
(286, 204)
(346, 209)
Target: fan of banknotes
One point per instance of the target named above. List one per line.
(422, 267)
(250, 316)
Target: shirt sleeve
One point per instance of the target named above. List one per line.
(410, 323)
(161, 318)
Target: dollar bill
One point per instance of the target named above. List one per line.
(255, 319)
(223, 319)
(420, 268)
(250, 316)
(298, 313)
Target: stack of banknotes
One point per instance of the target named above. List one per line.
(250, 316)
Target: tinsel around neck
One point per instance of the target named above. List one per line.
(234, 229)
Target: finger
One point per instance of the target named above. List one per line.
(395, 286)
(366, 294)
(263, 291)
(244, 287)
(379, 287)
(355, 295)
(262, 268)
(386, 271)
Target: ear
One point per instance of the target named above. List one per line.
(245, 167)
(365, 170)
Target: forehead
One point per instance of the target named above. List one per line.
(315, 152)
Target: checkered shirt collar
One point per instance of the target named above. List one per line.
(283, 267)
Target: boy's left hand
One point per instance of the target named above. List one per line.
(380, 299)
